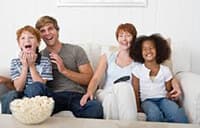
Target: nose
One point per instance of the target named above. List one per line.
(124, 37)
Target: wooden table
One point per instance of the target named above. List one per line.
(7, 121)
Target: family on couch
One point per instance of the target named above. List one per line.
(72, 73)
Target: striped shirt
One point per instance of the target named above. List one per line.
(44, 68)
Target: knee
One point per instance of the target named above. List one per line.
(96, 109)
(6, 99)
(155, 116)
(180, 116)
(10, 96)
(34, 89)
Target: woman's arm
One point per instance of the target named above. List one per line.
(101, 69)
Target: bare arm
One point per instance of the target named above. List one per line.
(101, 68)
(19, 82)
(35, 75)
(135, 84)
(168, 86)
(82, 77)
(176, 90)
(31, 59)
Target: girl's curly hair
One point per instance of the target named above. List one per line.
(162, 47)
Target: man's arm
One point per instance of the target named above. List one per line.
(82, 77)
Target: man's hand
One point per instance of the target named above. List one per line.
(55, 58)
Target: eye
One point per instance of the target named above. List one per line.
(50, 28)
(22, 38)
(42, 31)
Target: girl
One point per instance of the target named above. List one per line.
(152, 80)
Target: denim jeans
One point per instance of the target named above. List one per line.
(163, 109)
(63, 101)
(32, 90)
(71, 101)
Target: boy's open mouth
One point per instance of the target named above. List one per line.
(28, 46)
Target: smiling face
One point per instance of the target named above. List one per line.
(148, 51)
(124, 39)
(49, 34)
(28, 42)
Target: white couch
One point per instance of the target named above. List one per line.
(179, 63)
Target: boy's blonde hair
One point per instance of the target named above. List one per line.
(30, 29)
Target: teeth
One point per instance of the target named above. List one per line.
(28, 46)
(50, 38)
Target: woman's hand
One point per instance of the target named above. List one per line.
(85, 98)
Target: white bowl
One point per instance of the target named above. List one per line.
(32, 110)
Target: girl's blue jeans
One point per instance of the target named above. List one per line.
(163, 110)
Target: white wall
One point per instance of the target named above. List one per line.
(177, 19)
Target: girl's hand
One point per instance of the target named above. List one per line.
(175, 93)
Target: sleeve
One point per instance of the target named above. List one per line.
(15, 70)
(135, 70)
(47, 70)
(168, 74)
(109, 50)
(81, 56)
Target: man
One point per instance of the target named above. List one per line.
(71, 71)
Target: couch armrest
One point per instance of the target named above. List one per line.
(190, 85)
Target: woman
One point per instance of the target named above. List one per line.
(117, 95)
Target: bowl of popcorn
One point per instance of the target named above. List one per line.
(32, 110)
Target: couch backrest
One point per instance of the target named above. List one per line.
(180, 60)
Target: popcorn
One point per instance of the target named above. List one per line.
(32, 110)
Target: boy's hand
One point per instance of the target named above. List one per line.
(31, 58)
(22, 57)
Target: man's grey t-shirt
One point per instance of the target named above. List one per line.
(73, 56)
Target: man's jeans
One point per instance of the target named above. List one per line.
(71, 101)
(163, 109)
(63, 101)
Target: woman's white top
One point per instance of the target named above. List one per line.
(152, 88)
(115, 72)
